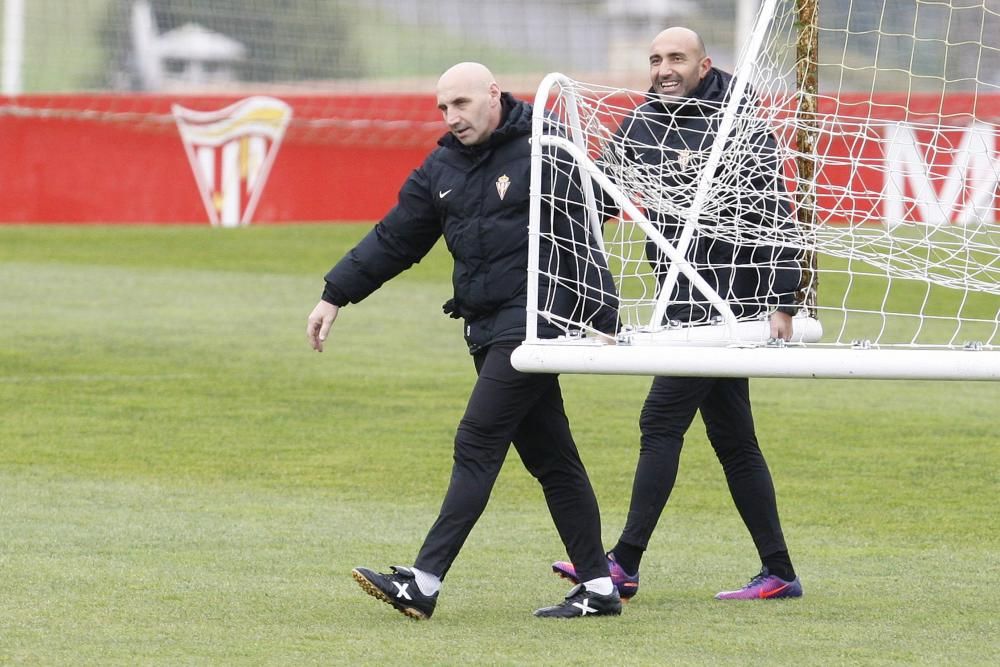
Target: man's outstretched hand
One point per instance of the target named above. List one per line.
(318, 326)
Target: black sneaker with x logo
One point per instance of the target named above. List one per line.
(398, 589)
(581, 602)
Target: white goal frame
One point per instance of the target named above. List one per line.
(727, 347)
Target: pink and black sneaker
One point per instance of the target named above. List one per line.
(627, 584)
(765, 586)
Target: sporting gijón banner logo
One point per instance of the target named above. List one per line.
(231, 152)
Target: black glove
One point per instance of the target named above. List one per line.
(450, 309)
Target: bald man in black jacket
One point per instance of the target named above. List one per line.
(473, 190)
(670, 135)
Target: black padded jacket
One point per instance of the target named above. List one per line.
(477, 198)
(669, 144)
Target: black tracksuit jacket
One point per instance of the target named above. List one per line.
(673, 143)
(477, 198)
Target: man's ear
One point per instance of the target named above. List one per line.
(706, 64)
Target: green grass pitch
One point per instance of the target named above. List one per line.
(183, 481)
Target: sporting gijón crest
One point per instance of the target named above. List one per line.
(502, 184)
(231, 152)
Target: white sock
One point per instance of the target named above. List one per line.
(428, 583)
(601, 585)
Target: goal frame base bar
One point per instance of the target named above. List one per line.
(592, 357)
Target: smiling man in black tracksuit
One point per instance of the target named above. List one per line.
(473, 190)
(670, 136)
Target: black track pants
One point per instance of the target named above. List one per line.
(725, 408)
(526, 409)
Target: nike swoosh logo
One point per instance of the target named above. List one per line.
(442, 195)
(771, 594)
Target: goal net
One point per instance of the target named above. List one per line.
(850, 177)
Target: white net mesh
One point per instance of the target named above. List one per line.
(881, 204)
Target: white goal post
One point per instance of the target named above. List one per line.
(876, 189)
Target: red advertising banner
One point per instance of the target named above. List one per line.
(901, 158)
(296, 158)
(115, 159)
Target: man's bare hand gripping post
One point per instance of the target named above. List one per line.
(781, 325)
